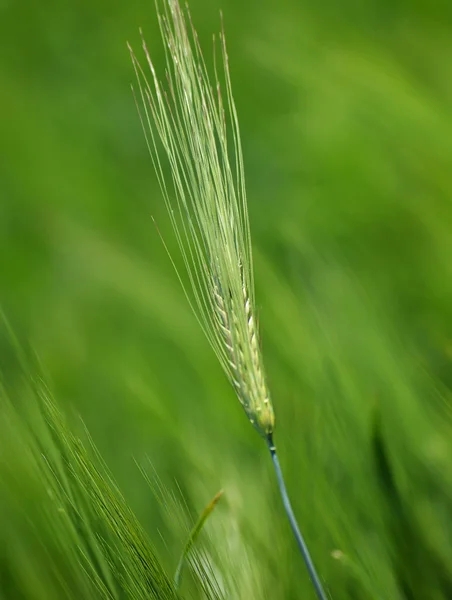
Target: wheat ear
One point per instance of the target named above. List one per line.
(206, 201)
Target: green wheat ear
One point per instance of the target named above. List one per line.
(209, 212)
(206, 201)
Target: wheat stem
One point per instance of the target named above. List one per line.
(293, 523)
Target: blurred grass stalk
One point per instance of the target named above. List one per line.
(66, 530)
(209, 214)
(194, 533)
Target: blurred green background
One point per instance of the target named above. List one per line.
(346, 121)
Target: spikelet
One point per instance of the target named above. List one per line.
(186, 120)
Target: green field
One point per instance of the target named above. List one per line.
(346, 122)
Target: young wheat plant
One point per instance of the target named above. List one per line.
(207, 205)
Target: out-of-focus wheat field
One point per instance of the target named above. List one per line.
(346, 122)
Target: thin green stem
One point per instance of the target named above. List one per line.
(194, 535)
(293, 523)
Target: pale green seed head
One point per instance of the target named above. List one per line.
(206, 200)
